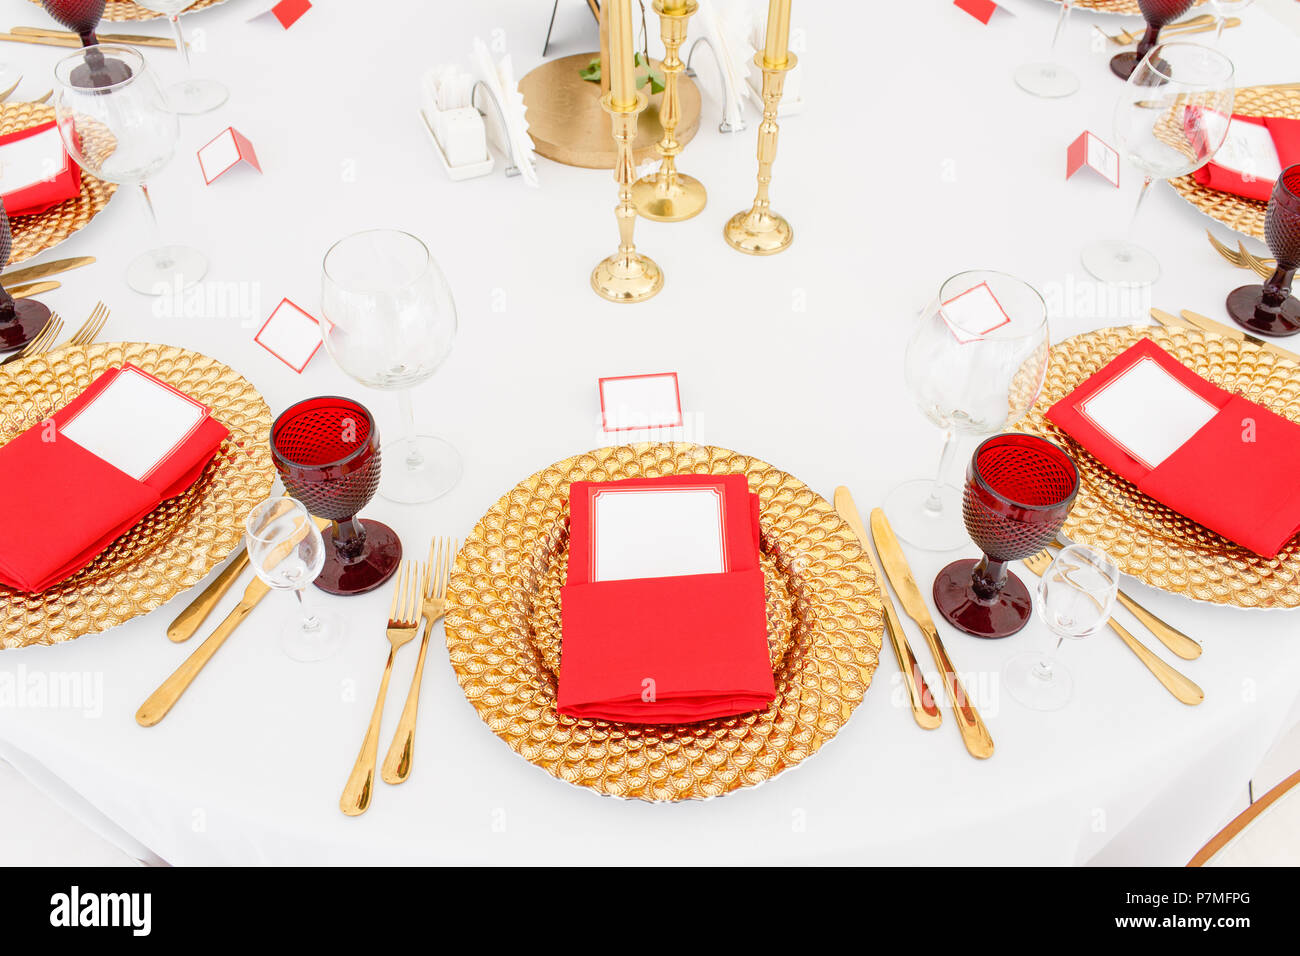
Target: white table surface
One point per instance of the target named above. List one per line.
(915, 157)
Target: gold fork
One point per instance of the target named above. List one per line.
(1242, 259)
(403, 620)
(91, 328)
(1174, 682)
(397, 763)
(41, 344)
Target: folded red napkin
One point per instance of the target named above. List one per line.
(660, 650)
(39, 172)
(1286, 140)
(1236, 474)
(65, 504)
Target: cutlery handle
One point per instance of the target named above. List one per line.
(1178, 685)
(192, 618)
(42, 41)
(1167, 634)
(974, 734)
(925, 711)
(361, 782)
(397, 763)
(155, 708)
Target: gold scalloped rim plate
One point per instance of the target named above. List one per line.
(1153, 543)
(120, 11)
(1127, 8)
(175, 546)
(502, 630)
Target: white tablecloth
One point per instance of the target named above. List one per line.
(916, 157)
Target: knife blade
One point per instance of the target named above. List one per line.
(973, 732)
(31, 273)
(34, 288)
(133, 39)
(1171, 321)
(1207, 324)
(925, 711)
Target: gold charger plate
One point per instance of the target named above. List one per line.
(176, 545)
(1153, 543)
(1125, 7)
(44, 230)
(120, 10)
(503, 633)
(1242, 215)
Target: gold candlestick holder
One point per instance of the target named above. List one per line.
(759, 231)
(627, 275)
(670, 196)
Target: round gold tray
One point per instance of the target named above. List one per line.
(175, 546)
(503, 633)
(1147, 540)
(118, 10)
(1243, 215)
(44, 230)
(1124, 7)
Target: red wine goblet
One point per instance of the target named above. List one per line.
(1019, 489)
(21, 320)
(1271, 309)
(1157, 13)
(82, 18)
(327, 453)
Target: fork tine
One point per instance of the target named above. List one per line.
(89, 330)
(446, 568)
(415, 601)
(45, 338)
(397, 591)
(431, 580)
(1223, 250)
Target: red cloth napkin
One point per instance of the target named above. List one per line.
(1236, 476)
(1286, 139)
(701, 639)
(39, 197)
(64, 505)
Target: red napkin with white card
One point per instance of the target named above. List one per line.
(35, 170)
(1223, 461)
(663, 613)
(1255, 152)
(75, 483)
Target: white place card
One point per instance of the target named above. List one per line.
(224, 152)
(974, 314)
(291, 335)
(285, 12)
(31, 160)
(135, 422)
(1091, 151)
(1147, 412)
(657, 533)
(640, 401)
(1248, 149)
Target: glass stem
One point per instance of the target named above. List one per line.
(414, 459)
(1142, 195)
(310, 622)
(1043, 670)
(180, 44)
(1218, 33)
(934, 503)
(160, 255)
(1060, 22)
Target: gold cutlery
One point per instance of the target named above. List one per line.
(6, 93)
(1258, 263)
(1171, 321)
(41, 344)
(162, 700)
(32, 273)
(1242, 259)
(1202, 24)
(1183, 689)
(973, 732)
(32, 288)
(397, 763)
(131, 39)
(1207, 324)
(71, 40)
(45, 97)
(925, 711)
(91, 328)
(403, 622)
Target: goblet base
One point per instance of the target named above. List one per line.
(1025, 680)
(311, 644)
(664, 201)
(1047, 80)
(419, 469)
(758, 233)
(166, 269)
(1247, 308)
(1001, 616)
(1121, 263)
(375, 565)
(30, 317)
(194, 96)
(927, 517)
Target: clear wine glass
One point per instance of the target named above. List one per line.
(1171, 119)
(193, 94)
(124, 132)
(1224, 9)
(973, 381)
(1075, 599)
(389, 323)
(286, 551)
(1048, 78)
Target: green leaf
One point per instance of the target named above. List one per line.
(591, 72)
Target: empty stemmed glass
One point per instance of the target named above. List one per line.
(1075, 600)
(326, 451)
(1171, 119)
(1049, 79)
(389, 323)
(1157, 13)
(1224, 9)
(192, 95)
(974, 365)
(1019, 491)
(124, 133)
(286, 552)
(1271, 309)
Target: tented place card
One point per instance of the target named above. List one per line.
(291, 335)
(1088, 150)
(284, 12)
(640, 401)
(974, 314)
(981, 10)
(224, 153)
(656, 533)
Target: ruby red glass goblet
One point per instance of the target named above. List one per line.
(21, 320)
(82, 18)
(327, 453)
(1271, 309)
(1019, 490)
(1157, 13)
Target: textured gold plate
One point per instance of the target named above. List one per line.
(175, 546)
(1147, 540)
(117, 10)
(1243, 215)
(1125, 7)
(44, 230)
(503, 633)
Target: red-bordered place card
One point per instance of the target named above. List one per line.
(1090, 151)
(657, 532)
(629, 402)
(974, 314)
(981, 10)
(226, 151)
(291, 335)
(286, 12)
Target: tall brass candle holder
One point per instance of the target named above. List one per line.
(670, 196)
(627, 275)
(759, 231)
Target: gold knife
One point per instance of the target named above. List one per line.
(137, 39)
(35, 288)
(31, 273)
(924, 709)
(973, 732)
(1171, 321)
(1207, 324)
